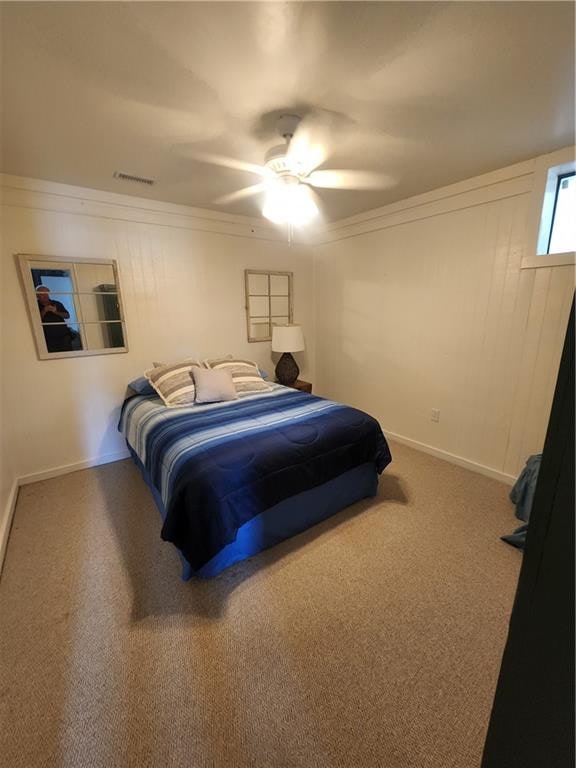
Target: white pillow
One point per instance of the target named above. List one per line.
(213, 386)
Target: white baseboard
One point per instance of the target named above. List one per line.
(65, 469)
(6, 522)
(34, 477)
(452, 458)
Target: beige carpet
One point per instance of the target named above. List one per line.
(372, 640)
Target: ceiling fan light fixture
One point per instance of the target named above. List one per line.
(289, 202)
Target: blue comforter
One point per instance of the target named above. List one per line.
(217, 466)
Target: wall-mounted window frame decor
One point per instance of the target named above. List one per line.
(74, 305)
(269, 302)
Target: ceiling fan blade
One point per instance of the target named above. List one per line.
(229, 162)
(339, 179)
(310, 145)
(240, 194)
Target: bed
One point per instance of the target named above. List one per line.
(233, 478)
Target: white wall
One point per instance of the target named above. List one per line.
(182, 280)
(423, 305)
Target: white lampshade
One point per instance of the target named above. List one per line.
(287, 338)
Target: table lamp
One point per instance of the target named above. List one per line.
(287, 339)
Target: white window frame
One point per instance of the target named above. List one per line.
(547, 169)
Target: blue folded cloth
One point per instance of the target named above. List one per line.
(522, 495)
(142, 386)
(518, 538)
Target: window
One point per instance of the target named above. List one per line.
(563, 228)
(551, 236)
(268, 302)
(74, 306)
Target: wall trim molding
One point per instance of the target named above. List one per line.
(499, 185)
(34, 477)
(452, 458)
(484, 181)
(108, 458)
(6, 525)
(65, 469)
(38, 194)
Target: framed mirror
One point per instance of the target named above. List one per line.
(268, 302)
(74, 306)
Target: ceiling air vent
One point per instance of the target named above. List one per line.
(131, 177)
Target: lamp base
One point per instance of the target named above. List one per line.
(287, 370)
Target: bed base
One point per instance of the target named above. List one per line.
(283, 520)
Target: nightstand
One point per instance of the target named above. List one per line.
(303, 386)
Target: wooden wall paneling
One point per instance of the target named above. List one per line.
(555, 317)
(432, 310)
(480, 289)
(526, 368)
(510, 330)
(490, 393)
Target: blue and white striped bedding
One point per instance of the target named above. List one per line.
(216, 466)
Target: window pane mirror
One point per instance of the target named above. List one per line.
(268, 302)
(75, 307)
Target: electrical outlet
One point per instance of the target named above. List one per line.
(435, 414)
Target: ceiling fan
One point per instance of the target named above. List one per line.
(290, 172)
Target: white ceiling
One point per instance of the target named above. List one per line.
(428, 93)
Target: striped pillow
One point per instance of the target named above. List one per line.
(190, 360)
(245, 374)
(174, 382)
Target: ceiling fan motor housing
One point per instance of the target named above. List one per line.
(276, 158)
(286, 125)
(276, 161)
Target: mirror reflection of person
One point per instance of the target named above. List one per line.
(59, 337)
